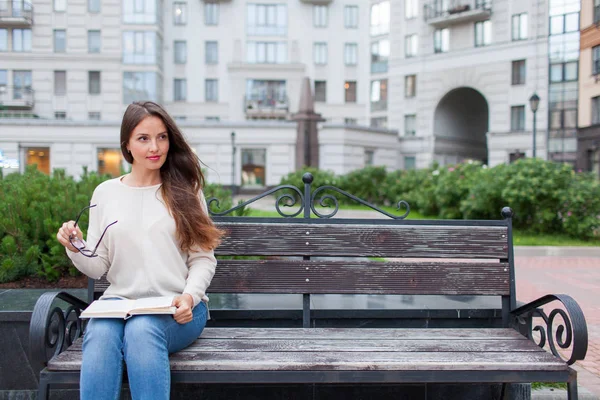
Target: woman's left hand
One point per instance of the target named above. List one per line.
(184, 304)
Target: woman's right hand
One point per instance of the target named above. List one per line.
(69, 229)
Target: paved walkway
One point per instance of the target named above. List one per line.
(543, 270)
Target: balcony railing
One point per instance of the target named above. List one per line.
(16, 13)
(442, 13)
(16, 97)
(266, 107)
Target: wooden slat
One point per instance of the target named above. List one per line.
(355, 277)
(354, 240)
(345, 361)
(358, 333)
(337, 345)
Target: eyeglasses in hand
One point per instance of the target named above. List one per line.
(80, 244)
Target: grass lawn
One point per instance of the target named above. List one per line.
(521, 238)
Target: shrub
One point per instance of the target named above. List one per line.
(366, 184)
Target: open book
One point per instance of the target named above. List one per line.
(128, 308)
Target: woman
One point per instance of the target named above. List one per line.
(161, 245)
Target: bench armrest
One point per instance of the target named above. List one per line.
(51, 329)
(571, 331)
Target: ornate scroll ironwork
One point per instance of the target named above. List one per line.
(307, 201)
(571, 333)
(52, 330)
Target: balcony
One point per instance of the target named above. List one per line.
(266, 108)
(443, 13)
(16, 14)
(16, 98)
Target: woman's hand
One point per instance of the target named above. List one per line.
(184, 304)
(69, 229)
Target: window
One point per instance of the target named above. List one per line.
(94, 86)
(211, 13)
(411, 8)
(564, 23)
(563, 119)
(518, 72)
(596, 11)
(262, 93)
(95, 116)
(214, 119)
(350, 17)
(596, 110)
(22, 85)
(60, 5)
(320, 53)
(564, 72)
(60, 115)
(94, 6)
(350, 91)
(180, 90)
(267, 19)
(141, 47)
(3, 78)
(380, 54)
(379, 122)
(140, 11)
(410, 125)
(21, 40)
(39, 156)
(212, 52)
(517, 118)
(180, 13)
(212, 90)
(350, 53)
(380, 18)
(410, 86)
(266, 52)
(60, 83)
(180, 51)
(483, 33)
(253, 167)
(350, 121)
(110, 162)
(379, 95)
(94, 42)
(410, 162)
(321, 91)
(139, 86)
(320, 16)
(596, 59)
(519, 27)
(369, 157)
(4, 39)
(441, 40)
(60, 41)
(411, 44)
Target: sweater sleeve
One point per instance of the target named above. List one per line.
(93, 267)
(201, 265)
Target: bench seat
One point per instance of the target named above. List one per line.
(351, 349)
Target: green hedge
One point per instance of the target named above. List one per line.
(546, 197)
(33, 208)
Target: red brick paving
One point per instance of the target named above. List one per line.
(578, 277)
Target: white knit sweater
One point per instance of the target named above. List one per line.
(140, 252)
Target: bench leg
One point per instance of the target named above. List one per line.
(504, 393)
(44, 389)
(572, 385)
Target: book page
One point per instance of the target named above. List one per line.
(153, 305)
(107, 309)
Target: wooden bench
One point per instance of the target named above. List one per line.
(311, 256)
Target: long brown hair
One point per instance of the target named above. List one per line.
(182, 179)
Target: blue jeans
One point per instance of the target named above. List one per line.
(144, 342)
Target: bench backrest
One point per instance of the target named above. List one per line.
(340, 256)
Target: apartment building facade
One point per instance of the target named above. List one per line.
(588, 135)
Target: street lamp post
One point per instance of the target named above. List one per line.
(534, 102)
(232, 163)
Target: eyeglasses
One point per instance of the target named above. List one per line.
(80, 244)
